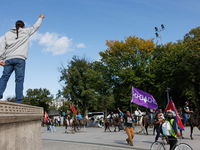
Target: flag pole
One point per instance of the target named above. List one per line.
(131, 100)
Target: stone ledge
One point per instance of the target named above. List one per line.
(13, 112)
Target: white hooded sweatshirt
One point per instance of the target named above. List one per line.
(17, 48)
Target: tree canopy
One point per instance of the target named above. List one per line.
(135, 62)
(38, 97)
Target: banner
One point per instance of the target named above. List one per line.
(73, 109)
(178, 119)
(144, 99)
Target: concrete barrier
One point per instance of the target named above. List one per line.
(20, 126)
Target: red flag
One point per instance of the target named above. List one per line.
(173, 108)
(45, 118)
(73, 109)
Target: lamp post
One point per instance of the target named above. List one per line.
(63, 113)
(131, 106)
(159, 35)
(167, 90)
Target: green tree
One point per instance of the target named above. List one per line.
(75, 84)
(52, 108)
(168, 67)
(98, 78)
(38, 97)
(192, 41)
(128, 64)
(64, 108)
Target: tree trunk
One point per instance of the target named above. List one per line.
(106, 110)
(85, 112)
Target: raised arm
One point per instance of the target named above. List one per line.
(35, 27)
(120, 111)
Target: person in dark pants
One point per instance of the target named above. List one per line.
(59, 119)
(158, 124)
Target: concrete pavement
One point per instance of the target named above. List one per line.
(96, 139)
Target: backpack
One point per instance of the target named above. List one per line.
(166, 128)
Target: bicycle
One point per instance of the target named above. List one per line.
(161, 145)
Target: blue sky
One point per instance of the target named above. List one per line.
(81, 27)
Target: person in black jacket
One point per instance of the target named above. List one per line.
(158, 124)
(185, 112)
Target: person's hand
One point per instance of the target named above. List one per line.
(2, 63)
(42, 16)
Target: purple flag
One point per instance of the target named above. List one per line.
(144, 99)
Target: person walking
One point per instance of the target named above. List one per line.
(158, 125)
(121, 122)
(186, 110)
(13, 54)
(59, 119)
(129, 128)
(53, 129)
(170, 116)
(49, 125)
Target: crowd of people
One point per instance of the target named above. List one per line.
(127, 119)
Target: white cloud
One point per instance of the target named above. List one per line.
(53, 42)
(36, 36)
(80, 45)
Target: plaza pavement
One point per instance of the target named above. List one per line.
(96, 139)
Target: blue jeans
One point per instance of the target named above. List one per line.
(17, 65)
(158, 130)
(151, 117)
(50, 128)
(184, 118)
(111, 121)
(53, 128)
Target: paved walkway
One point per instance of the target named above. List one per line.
(97, 139)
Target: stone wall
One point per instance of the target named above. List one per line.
(20, 126)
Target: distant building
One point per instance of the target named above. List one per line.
(53, 113)
(58, 102)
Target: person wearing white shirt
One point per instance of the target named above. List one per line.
(137, 114)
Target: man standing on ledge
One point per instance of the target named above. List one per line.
(129, 128)
(13, 54)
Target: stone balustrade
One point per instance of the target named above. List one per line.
(20, 126)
